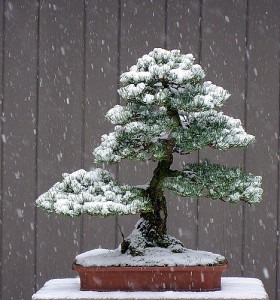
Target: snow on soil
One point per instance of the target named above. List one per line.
(233, 288)
(152, 257)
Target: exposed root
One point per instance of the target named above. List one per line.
(143, 236)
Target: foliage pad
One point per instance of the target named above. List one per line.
(93, 193)
(216, 182)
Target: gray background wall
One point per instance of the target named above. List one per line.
(59, 67)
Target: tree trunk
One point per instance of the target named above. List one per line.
(158, 217)
(151, 230)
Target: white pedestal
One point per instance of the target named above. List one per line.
(233, 288)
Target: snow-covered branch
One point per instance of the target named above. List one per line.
(93, 193)
(216, 182)
(170, 79)
(210, 128)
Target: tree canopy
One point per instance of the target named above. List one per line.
(167, 108)
(166, 99)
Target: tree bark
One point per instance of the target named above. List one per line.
(151, 230)
(158, 217)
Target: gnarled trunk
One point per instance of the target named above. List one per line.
(158, 217)
(151, 230)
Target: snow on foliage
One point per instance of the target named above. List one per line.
(210, 128)
(168, 108)
(166, 99)
(216, 182)
(93, 193)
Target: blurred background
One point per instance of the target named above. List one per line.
(60, 63)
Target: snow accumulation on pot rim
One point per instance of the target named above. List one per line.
(152, 257)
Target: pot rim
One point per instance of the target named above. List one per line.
(210, 268)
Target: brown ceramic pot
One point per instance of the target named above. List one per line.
(195, 278)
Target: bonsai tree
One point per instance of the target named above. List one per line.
(167, 109)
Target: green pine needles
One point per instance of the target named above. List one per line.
(216, 182)
(167, 108)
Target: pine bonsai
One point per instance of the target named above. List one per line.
(168, 109)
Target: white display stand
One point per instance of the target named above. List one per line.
(233, 288)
